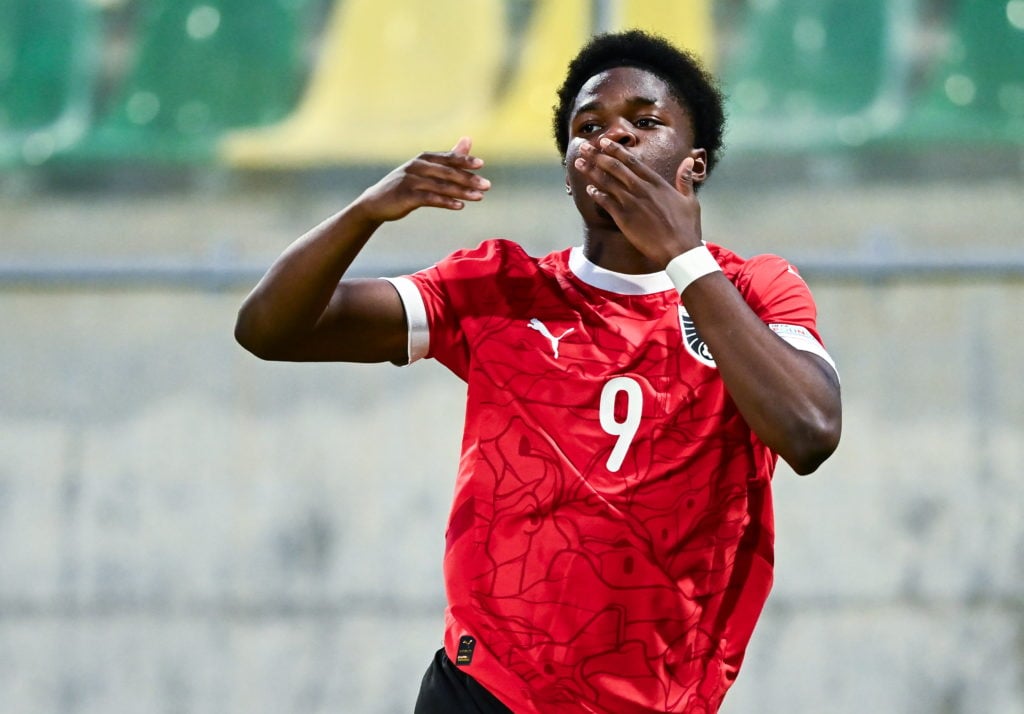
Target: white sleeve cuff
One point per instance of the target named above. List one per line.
(802, 339)
(415, 317)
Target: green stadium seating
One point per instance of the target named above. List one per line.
(48, 61)
(811, 74)
(201, 67)
(688, 24)
(975, 94)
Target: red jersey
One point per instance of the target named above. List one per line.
(609, 547)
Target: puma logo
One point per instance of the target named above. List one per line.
(543, 329)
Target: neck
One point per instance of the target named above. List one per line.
(611, 250)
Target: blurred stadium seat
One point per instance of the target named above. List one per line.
(975, 93)
(502, 98)
(688, 24)
(200, 67)
(518, 127)
(813, 74)
(48, 62)
(225, 80)
(393, 78)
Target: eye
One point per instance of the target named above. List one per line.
(588, 127)
(646, 123)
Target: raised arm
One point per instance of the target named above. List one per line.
(302, 309)
(789, 397)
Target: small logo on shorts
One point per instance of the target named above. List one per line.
(465, 654)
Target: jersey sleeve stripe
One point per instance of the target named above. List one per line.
(416, 317)
(802, 339)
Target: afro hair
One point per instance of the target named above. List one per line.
(690, 83)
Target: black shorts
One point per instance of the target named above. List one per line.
(446, 689)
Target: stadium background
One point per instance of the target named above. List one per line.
(186, 529)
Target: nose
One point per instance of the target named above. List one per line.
(621, 132)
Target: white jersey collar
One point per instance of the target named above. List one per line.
(621, 283)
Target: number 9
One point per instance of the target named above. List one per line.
(627, 428)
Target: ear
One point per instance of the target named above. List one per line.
(699, 172)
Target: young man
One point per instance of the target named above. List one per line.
(609, 547)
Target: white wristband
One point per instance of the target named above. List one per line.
(687, 267)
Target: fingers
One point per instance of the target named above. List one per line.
(462, 146)
(622, 161)
(604, 200)
(441, 193)
(458, 159)
(613, 169)
(459, 156)
(447, 179)
(447, 175)
(604, 172)
(684, 177)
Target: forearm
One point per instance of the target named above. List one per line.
(790, 398)
(289, 300)
(301, 310)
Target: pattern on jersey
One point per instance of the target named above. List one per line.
(594, 590)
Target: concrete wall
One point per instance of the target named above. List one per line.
(186, 529)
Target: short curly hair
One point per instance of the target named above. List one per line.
(691, 84)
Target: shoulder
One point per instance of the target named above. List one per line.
(494, 256)
(496, 270)
(757, 272)
(491, 252)
(734, 264)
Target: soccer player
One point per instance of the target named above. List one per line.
(610, 543)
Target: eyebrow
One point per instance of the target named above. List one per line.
(632, 102)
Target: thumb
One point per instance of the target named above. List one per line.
(462, 146)
(684, 177)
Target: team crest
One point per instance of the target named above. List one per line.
(695, 345)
